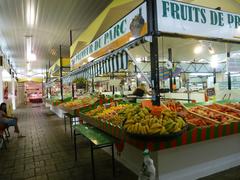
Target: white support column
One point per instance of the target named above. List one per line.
(1, 84)
(13, 94)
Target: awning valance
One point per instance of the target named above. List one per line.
(109, 63)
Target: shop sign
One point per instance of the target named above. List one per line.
(233, 65)
(181, 18)
(132, 26)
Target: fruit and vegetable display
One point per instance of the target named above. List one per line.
(168, 119)
(173, 106)
(212, 114)
(190, 117)
(81, 102)
(94, 112)
(111, 114)
(140, 121)
(225, 109)
(233, 105)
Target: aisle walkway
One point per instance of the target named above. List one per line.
(47, 152)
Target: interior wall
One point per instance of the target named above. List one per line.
(20, 94)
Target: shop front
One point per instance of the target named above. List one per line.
(183, 54)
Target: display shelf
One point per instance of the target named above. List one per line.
(76, 111)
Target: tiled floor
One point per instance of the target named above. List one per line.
(47, 152)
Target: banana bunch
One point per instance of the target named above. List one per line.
(141, 121)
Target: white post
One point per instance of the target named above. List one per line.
(13, 94)
(1, 84)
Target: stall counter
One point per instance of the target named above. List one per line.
(199, 151)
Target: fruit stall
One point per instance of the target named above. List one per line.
(56, 91)
(186, 140)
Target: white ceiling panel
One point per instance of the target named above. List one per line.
(49, 23)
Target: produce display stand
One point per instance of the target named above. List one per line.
(76, 111)
(192, 135)
(218, 147)
(55, 74)
(194, 138)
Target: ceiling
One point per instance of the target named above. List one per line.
(51, 22)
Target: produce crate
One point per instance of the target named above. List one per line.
(193, 135)
(77, 111)
(109, 128)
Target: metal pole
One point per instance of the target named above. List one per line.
(229, 74)
(138, 67)
(136, 76)
(93, 85)
(152, 29)
(214, 76)
(49, 77)
(188, 92)
(46, 80)
(170, 76)
(61, 83)
(70, 38)
(113, 87)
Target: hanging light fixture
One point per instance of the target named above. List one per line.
(214, 61)
(30, 14)
(138, 59)
(29, 54)
(139, 75)
(90, 58)
(210, 48)
(28, 66)
(198, 49)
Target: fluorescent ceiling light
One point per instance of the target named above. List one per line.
(198, 49)
(214, 64)
(138, 59)
(29, 45)
(139, 75)
(186, 62)
(211, 50)
(202, 60)
(28, 66)
(214, 61)
(90, 58)
(30, 13)
(31, 57)
(29, 73)
(131, 38)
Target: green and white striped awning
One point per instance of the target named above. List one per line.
(107, 64)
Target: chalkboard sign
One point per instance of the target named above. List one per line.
(210, 92)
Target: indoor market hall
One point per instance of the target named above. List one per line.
(119, 90)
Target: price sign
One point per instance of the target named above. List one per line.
(211, 92)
